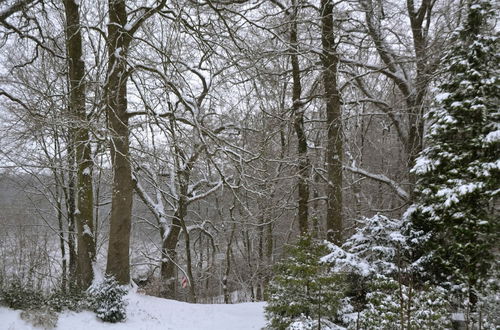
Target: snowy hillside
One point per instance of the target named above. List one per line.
(151, 313)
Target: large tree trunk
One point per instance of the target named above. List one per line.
(334, 149)
(84, 188)
(118, 264)
(298, 113)
(416, 103)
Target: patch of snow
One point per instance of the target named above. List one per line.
(458, 317)
(98, 275)
(87, 231)
(117, 52)
(424, 165)
(151, 313)
(492, 137)
(442, 96)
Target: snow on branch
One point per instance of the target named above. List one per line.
(381, 178)
(206, 193)
(345, 261)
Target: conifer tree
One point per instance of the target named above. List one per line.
(302, 290)
(453, 223)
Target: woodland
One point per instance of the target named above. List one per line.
(338, 159)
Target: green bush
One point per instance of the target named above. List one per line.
(74, 301)
(392, 304)
(302, 288)
(20, 296)
(107, 300)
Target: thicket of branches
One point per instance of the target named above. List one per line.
(161, 140)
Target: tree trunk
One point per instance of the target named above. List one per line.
(118, 264)
(62, 244)
(169, 254)
(84, 187)
(298, 113)
(69, 194)
(189, 266)
(334, 148)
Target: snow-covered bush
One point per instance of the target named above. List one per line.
(73, 301)
(107, 300)
(302, 287)
(488, 309)
(484, 311)
(382, 295)
(41, 318)
(306, 323)
(20, 296)
(391, 303)
(377, 247)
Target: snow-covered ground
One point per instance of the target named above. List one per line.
(151, 313)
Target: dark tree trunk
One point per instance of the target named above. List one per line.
(118, 264)
(69, 194)
(298, 124)
(84, 187)
(334, 147)
(169, 255)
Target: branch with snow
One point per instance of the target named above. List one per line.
(405, 196)
(206, 193)
(344, 261)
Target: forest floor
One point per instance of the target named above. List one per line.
(151, 313)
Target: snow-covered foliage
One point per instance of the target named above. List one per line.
(20, 296)
(454, 227)
(306, 323)
(302, 288)
(484, 313)
(390, 302)
(107, 300)
(373, 249)
(384, 297)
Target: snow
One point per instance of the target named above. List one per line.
(146, 312)
(442, 96)
(493, 137)
(117, 52)
(424, 165)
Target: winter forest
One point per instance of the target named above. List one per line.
(277, 164)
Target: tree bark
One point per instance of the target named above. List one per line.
(334, 147)
(169, 255)
(298, 113)
(118, 264)
(84, 186)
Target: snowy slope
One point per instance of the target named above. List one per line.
(151, 313)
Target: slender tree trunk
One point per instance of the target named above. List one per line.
(69, 194)
(84, 165)
(169, 255)
(189, 266)
(334, 147)
(62, 244)
(118, 264)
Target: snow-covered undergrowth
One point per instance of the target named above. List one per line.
(145, 312)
